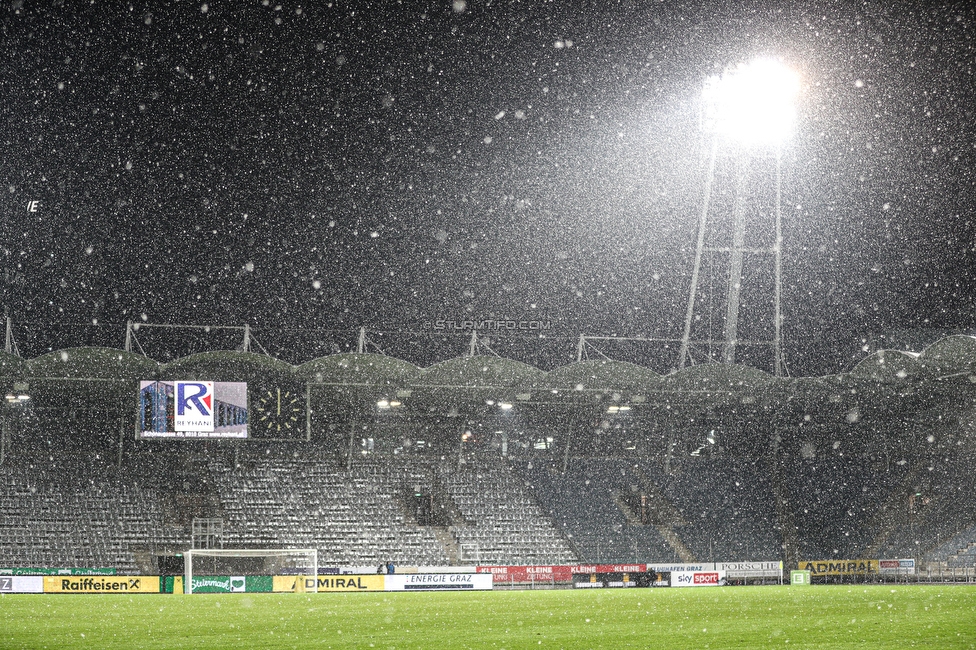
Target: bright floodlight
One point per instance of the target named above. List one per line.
(752, 104)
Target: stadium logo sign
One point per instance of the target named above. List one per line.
(194, 406)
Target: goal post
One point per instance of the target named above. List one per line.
(237, 564)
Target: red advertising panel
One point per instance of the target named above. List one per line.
(545, 573)
(555, 573)
(706, 578)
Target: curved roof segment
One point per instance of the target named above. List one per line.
(92, 363)
(600, 375)
(11, 366)
(890, 366)
(951, 355)
(478, 372)
(358, 369)
(228, 365)
(717, 377)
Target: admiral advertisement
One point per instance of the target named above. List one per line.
(192, 409)
(839, 567)
(372, 582)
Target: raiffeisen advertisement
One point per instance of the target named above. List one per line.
(192, 409)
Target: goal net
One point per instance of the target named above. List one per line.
(222, 569)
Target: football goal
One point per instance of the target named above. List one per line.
(223, 569)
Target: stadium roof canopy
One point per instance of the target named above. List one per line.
(586, 380)
(953, 355)
(601, 375)
(885, 382)
(11, 366)
(477, 372)
(889, 366)
(228, 365)
(87, 377)
(92, 363)
(717, 378)
(358, 369)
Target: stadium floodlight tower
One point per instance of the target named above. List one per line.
(748, 114)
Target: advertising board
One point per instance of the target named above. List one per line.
(101, 584)
(800, 578)
(192, 409)
(697, 578)
(529, 574)
(839, 567)
(371, 582)
(231, 584)
(21, 584)
(670, 568)
(751, 569)
(613, 580)
(608, 568)
(38, 571)
(904, 566)
(439, 582)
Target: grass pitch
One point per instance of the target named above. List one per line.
(930, 616)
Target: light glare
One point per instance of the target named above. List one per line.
(752, 104)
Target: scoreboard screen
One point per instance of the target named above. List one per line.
(192, 409)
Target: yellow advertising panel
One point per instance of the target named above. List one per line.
(101, 584)
(839, 567)
(370, 582)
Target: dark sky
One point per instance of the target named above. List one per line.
(385, 165)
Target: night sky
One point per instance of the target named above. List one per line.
(336, 165)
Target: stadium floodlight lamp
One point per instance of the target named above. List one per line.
(753, 104)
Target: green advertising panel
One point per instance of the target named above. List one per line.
(35, 571)
(799, 577)
(231, 584)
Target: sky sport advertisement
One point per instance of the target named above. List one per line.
(192, 409)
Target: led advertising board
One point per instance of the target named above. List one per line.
(192, 409)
